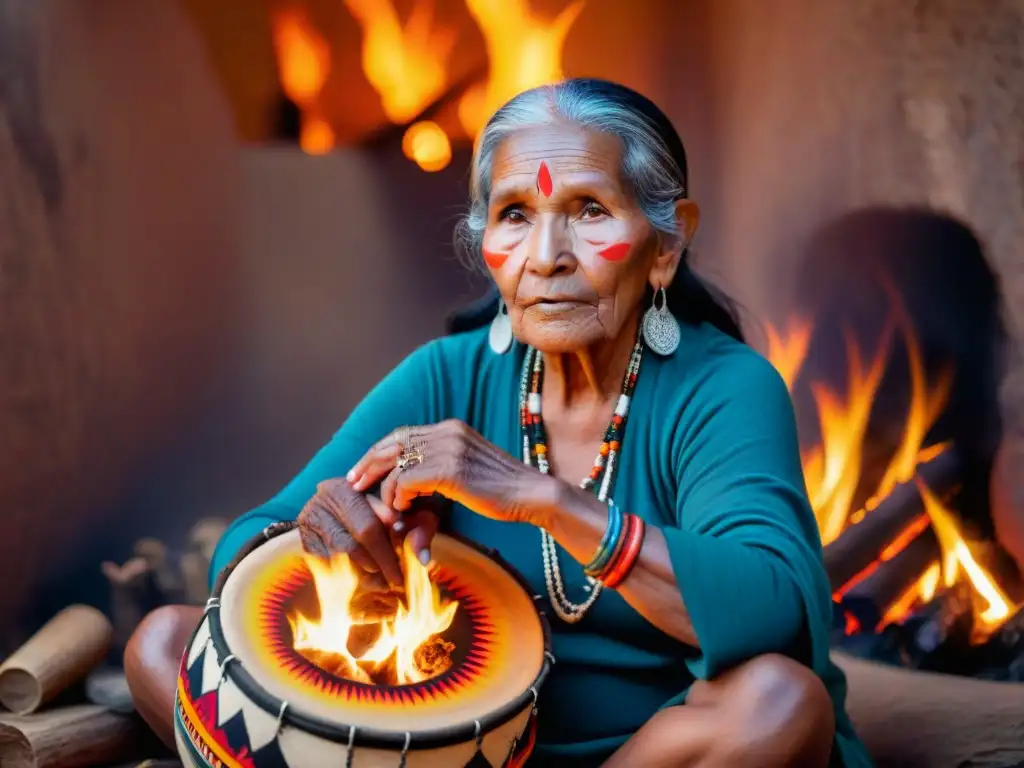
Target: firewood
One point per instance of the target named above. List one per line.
(205, 535)
(870, 598)
(68, 737)
(131, 596)
(166, 575)
(863, 543)
(915, 718)
(59, 654)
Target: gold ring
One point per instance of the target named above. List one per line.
(409, 457)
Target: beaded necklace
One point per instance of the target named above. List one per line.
(600, 479)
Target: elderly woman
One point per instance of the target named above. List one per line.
(610, 433)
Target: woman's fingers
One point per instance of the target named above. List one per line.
(422, 528)
(324, 537)
(358, 519)
(380, 459)
(385, 514)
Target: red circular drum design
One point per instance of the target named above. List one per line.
(247, 698)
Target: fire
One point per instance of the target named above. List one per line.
(833, 468)
(304, 60)
(375, 637)
(427, 145)
(406, 65)
(957, 562)
(523, 50)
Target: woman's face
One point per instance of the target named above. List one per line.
(568, 247)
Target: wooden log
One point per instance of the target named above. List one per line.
(59, 654)
(69, 737)
(131, 596)
(912, 718)
(863, 543)
(894, 577)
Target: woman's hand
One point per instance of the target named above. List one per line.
(341, 519)
(455, 461)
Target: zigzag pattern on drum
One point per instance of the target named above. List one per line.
(247, 736)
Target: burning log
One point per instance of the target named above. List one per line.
(68, 737)
(865, 542)
(876, 594)
(916, 718)
(59, 654)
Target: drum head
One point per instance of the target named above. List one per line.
(498, 637)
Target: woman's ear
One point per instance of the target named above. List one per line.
(671, 250)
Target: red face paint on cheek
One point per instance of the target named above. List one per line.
(616, 252)
(544, 182)
(494, 259)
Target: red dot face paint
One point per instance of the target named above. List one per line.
(544, 182)
(494, 259)
(616, 252)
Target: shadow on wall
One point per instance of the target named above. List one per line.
(347, 266)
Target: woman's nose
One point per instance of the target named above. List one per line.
(550, 250)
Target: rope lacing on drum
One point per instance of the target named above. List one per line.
(213, 602)
(350, 752)
(405, 749)
(550, 656)
(280, 718)
(224, 665)
(478, 734)
(533, 690)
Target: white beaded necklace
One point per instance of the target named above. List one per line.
(602, 476)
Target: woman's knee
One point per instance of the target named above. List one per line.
(151, 660)
(776, 712)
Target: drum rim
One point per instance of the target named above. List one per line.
(434, 738)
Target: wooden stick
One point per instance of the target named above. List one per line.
(68, 737)
(911, 718)
(863, 543)
(59, 654)
(893, 577)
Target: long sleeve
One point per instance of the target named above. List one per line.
(745, 549)
(412, 393)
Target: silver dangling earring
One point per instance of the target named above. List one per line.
(660, 327)
(500, 337)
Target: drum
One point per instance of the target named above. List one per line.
(296, 663)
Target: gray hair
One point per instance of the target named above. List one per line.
(653, 159)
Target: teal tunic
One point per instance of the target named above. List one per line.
(710, 457)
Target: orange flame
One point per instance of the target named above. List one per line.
(957, 562)
(788, 350)
(406, 65)
(304, 60)
(523, 51)
(833, 468)
(400, 638)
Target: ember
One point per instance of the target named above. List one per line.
(371, 636)
(900, 556)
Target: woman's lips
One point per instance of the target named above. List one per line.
(558, 305)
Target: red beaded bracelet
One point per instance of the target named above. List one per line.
(627, 554)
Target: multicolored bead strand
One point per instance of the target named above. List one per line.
(601, 476)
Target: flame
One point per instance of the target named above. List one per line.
(406, 65)
(427, 145)
(788, 350)
(304, 60)
(407, 647)
(832, 470)
(958, 562)
(833, 467)
(523, 50)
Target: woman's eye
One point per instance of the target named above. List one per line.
(592, 210)
(512, 214)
